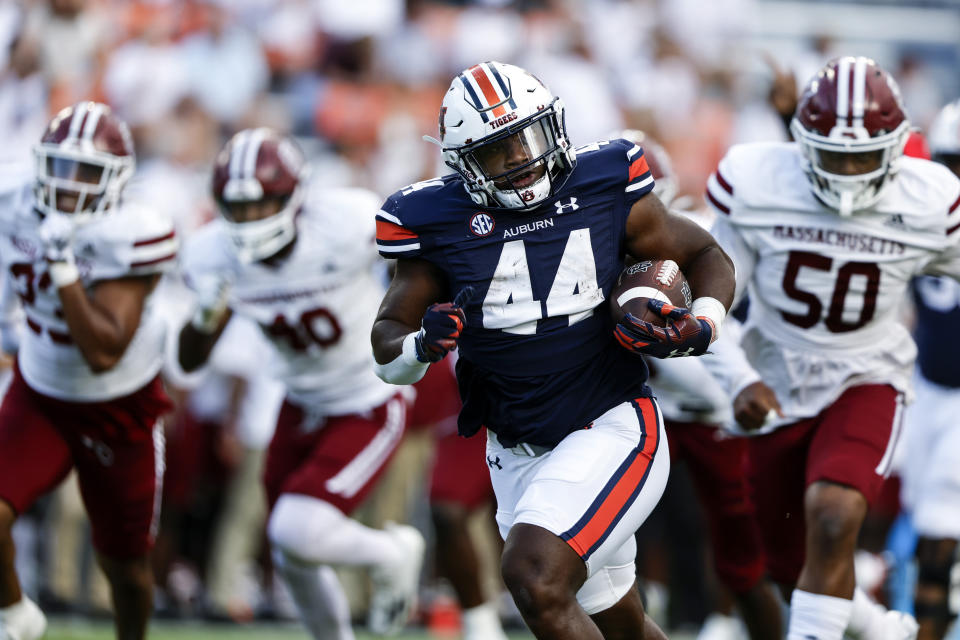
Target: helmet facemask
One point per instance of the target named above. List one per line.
(262, 238)
(877, 158)
(517, 168)
(92, 179)
(504, 133)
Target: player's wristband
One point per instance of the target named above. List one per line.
(406, 368)
(63, 274)
(711, 309)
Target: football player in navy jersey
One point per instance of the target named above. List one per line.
(511, 258)
(931, 483)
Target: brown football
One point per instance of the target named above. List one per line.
(639, 282)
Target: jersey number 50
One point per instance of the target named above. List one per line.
(834, 320)
(315, 326)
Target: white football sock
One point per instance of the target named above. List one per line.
(867, 617)
(323, 606)
(11, 613)
(313, 531)
(22, 619)
(818, 617)
(482, 623)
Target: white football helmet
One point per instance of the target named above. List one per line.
(503, 131)
(945, 131)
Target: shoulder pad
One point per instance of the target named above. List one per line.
(602, 164)
(927, 189)
(408, 210)
(134, 240)
(763, 175)
(153, 243)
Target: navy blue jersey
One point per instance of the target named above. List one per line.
(537, 357)
(938, 319)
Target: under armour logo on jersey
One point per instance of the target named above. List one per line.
(676, 353)
(563, 208)
(895, 220)
(494, 462)
(481, 224)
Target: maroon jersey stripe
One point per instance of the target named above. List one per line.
(717, 203)
(143, 243)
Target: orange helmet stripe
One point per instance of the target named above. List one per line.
(489, 93)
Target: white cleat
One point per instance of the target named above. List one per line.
(395, 587)
(901, 626)
(22, 621)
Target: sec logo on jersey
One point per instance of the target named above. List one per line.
(481, 224)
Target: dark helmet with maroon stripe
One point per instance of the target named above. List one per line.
(259, 170)
(83, 161)
(852, 127)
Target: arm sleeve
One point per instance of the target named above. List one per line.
(694, 386)
(743, 256)
(727, 362)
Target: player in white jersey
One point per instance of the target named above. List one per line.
(694, 406)
(302, 264)
(931, 463)
(827, 233)
(86, 391)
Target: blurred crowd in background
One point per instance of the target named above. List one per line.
(358, 83)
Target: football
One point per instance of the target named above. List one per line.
(639, 282)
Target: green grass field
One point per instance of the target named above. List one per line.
(67, 629)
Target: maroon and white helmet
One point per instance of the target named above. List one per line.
(257, 165)
(852, 106)
(661, 168)
(85, 157)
